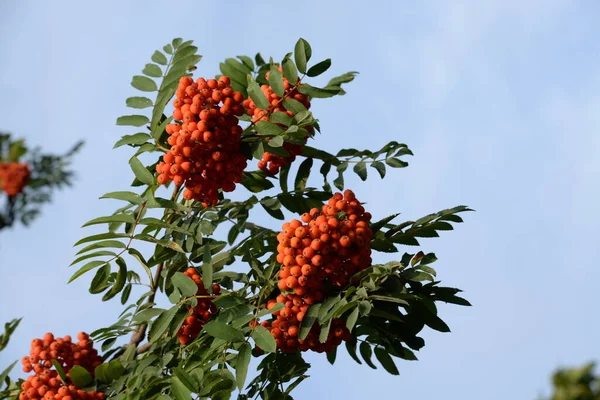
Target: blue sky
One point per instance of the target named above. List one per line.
(499, 100)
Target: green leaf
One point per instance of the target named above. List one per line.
(268, 128)
(138, 102)
(165, 243)
(207, 269)
(144, 84)
(294, 106)
(280, 118)
(276, 141)
(61, 372)
(168, 49)
(131, 197)
(121, 277)
(324, 331)
(141, 173)
(125, 294)
(302, 53)
(86, 268)
(152, 70)
(361, 170)
(135, 139)
(186, 379)
(184, 283)
(276, 81)
(255, 182)
(283, 178)
(108, 372)
(179, 390)
(303, 173)
(92, 255)
(241, 365)
(133, 120)
(223, 331)
(159, 57)
(127, 218)
(351, 347)
(309, 319)
(256, 94)
(380, 167)
(264, 339)
(80, 376)
(161, 324)
(318, 93)
(16, 150)
(395, 163)
(351, 321)
(147, 314)
(140, 258)
(386, 361)
(319, 68)
(247, 62)
(100, 281)
(290, 72)
(5, 373)
(366, 353)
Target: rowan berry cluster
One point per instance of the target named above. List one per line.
(14, 177)
(205, 153)
(46, 383)
(201, 313)
(271, 163)
(319, 255)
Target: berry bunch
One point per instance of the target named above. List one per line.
(200, 314)
(319, 255)
(46, 384)
(205, 153)
(285, 328)
(271, 163)
(14, 176)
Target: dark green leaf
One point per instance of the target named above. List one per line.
(319, 68)
(86, 268)
(361, 170)
(318, 93)
(395, 163)
(147, 314)
(303, 173)
(366, 353)
(380, 167)
(302, 54)
(386, 361)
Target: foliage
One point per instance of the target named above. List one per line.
(48, 172)
(384, 306)
(576, 383)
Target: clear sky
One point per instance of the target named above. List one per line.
(498, 99)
